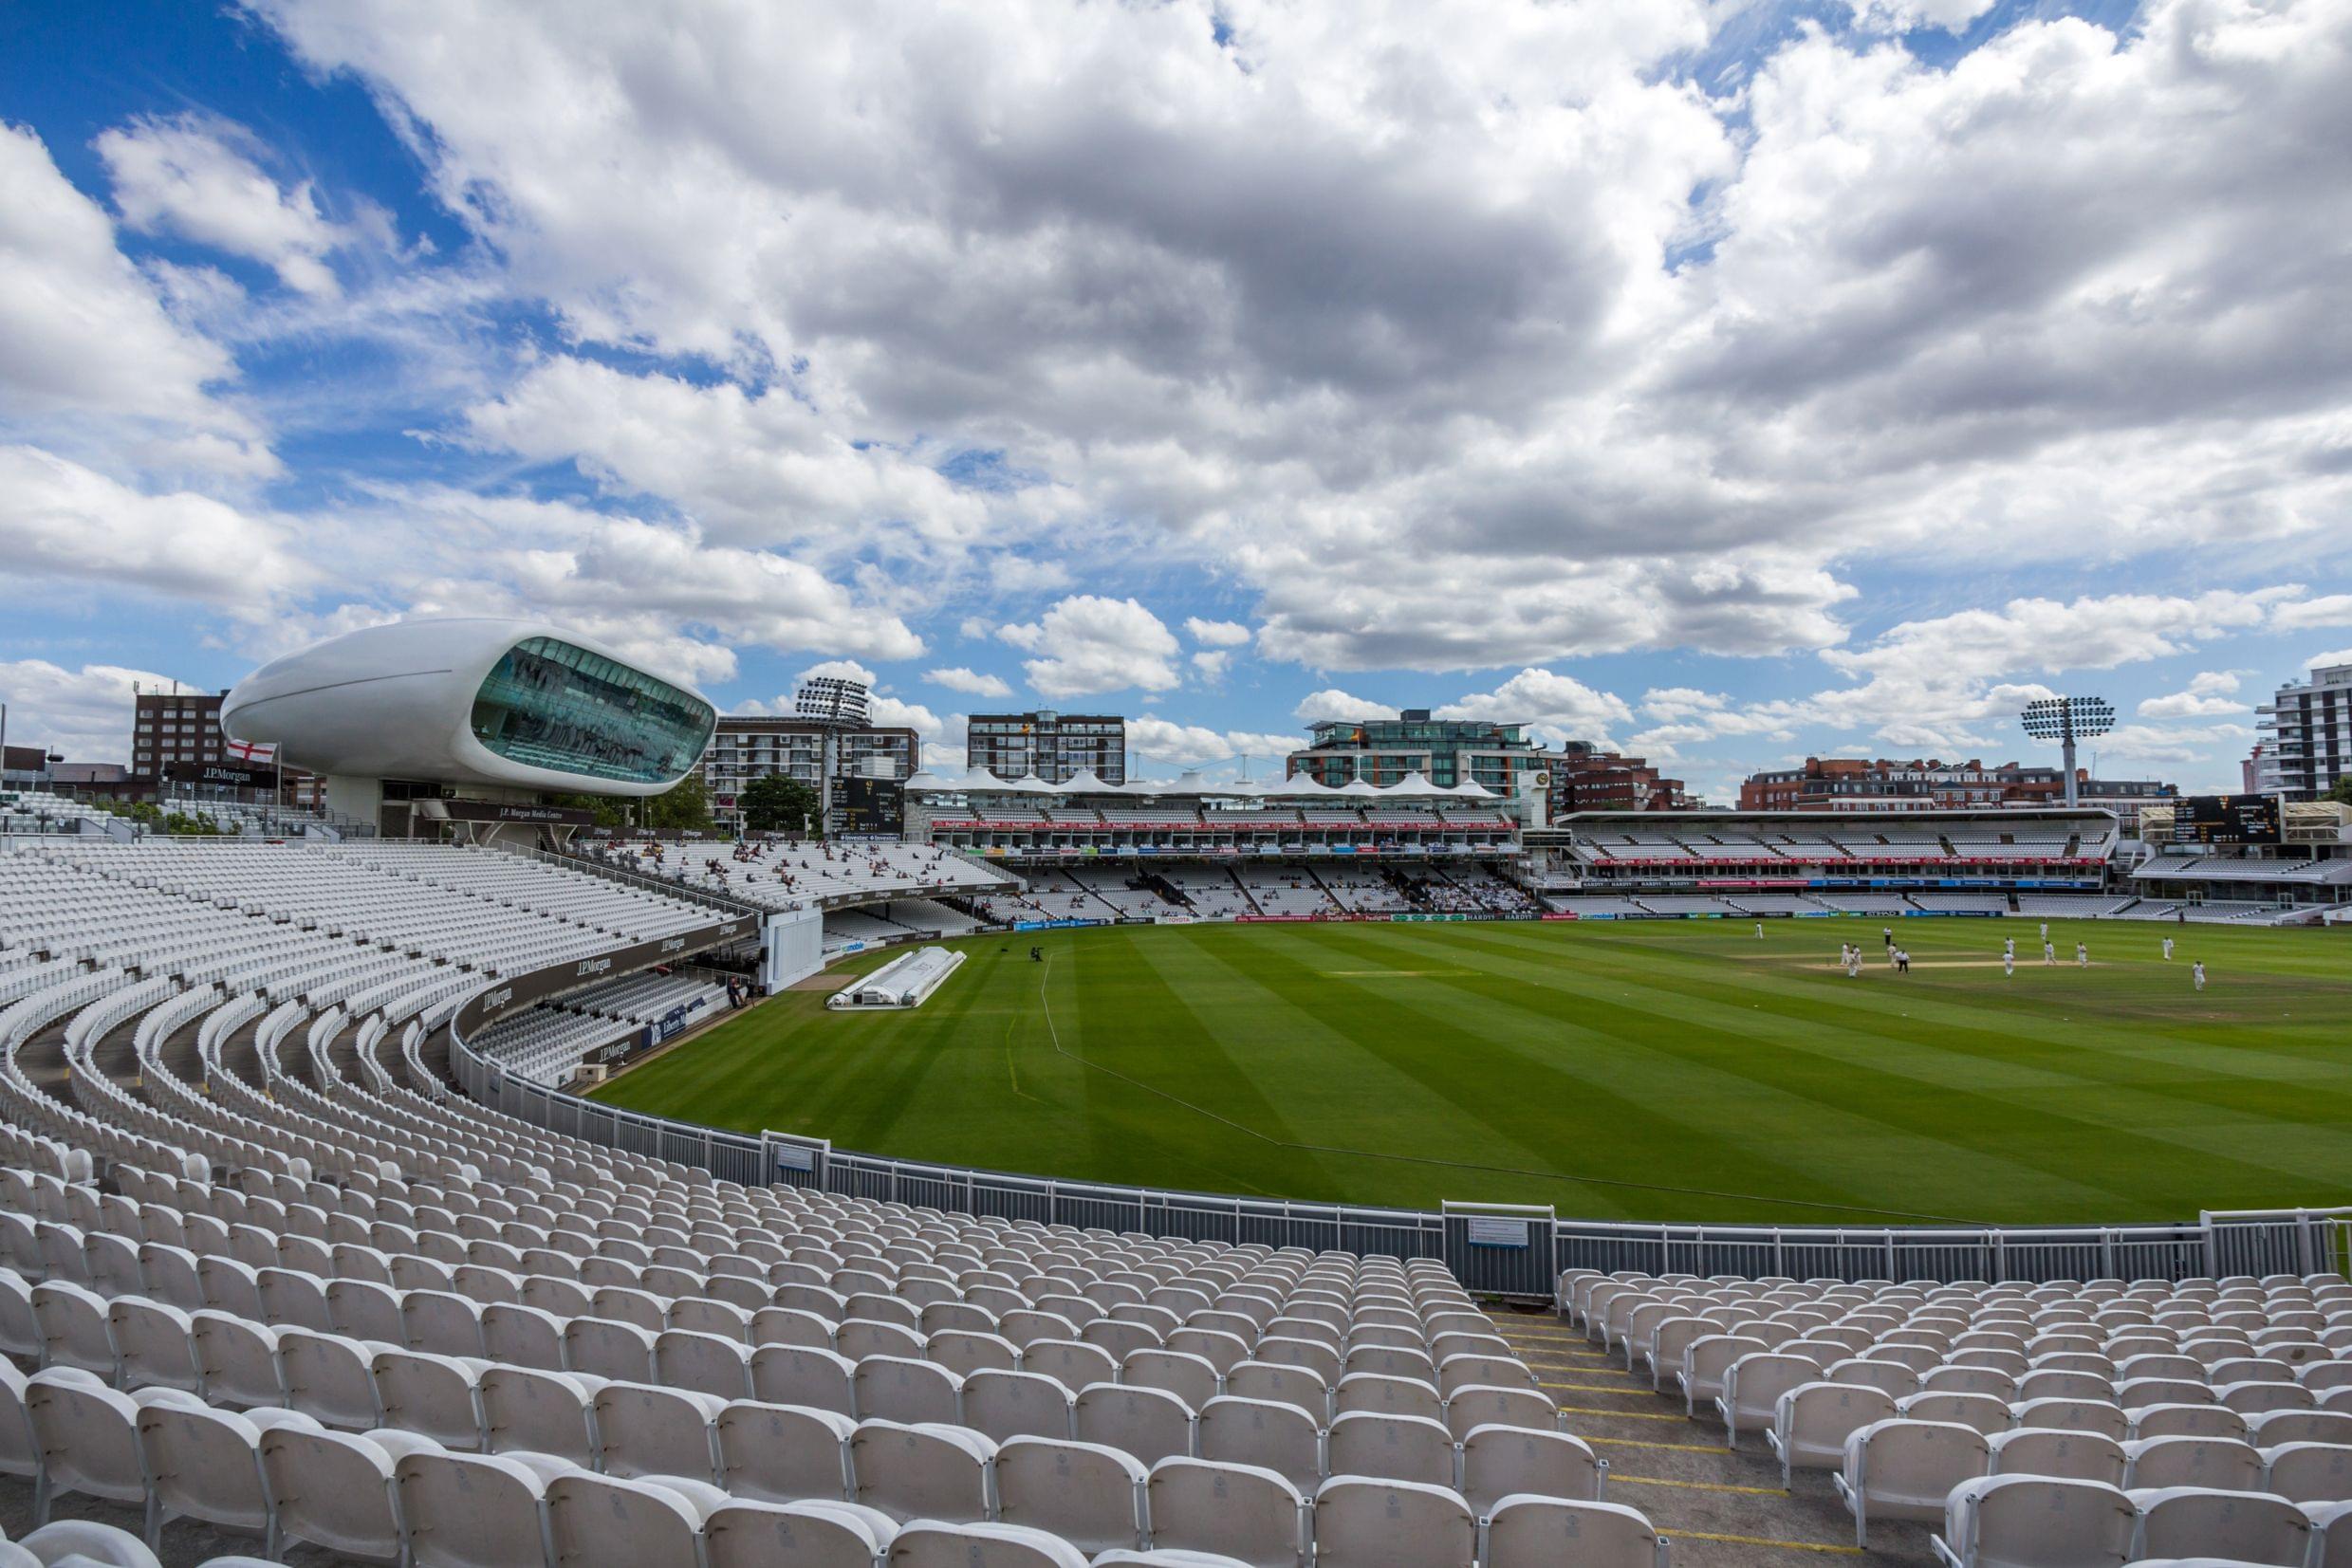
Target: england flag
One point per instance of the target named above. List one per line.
(249, 751)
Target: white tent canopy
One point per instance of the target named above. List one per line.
(1416, 786)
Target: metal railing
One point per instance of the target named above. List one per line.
(1496, 1249)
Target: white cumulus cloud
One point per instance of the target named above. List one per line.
(1087, 644)
(196, 177)
(977, 683)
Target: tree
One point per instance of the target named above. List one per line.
(2341, 794)
(608, 811)
(776, 803)
(685, 806)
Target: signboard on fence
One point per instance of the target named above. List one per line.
(1486, 1230)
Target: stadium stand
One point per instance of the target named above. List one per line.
(782, 875)
(269, 1286)
(38, 811)
(263, 1270)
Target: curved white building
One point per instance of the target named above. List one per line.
(512, 704)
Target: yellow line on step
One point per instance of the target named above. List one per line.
(1762, 1541)
(1603, 1387)
(1696, 1485)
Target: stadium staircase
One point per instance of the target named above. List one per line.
(1721, 1506)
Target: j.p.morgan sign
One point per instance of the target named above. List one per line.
(514, 992)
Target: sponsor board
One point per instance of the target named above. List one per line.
(502, 811)
(516, 991)
(222, 773)
(1483, 1230)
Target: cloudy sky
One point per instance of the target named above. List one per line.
(1725, 379)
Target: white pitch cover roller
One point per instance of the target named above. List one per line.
(905, 982)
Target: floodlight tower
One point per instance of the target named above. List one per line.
(2067, 720)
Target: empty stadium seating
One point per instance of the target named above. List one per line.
(274, 1277)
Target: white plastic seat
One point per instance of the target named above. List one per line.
(964, 1352)
(154, 1344)
(707, 1363)
(365, 1309)
(1896, 1379)
(1251, 1515)
(784, 1453)
(1811, 1422)
(2271, 1429)
(808, 1535)
(2072, 1416)
(335, 1491)
(1191, 1379)
(1980, 1410)
(1088, 1495)
(329, 1378)
(934, 1543)
(608, 1348)
(290, 1300)
(1375, 1524)
(1391, 1448)
(473, 1510)
(79, 1543)
(1372, 1394)
(921, 1472)
(73, 1327)
(2197, 1522)
(442, 1323)
(892, 1387)
(20, 1331)
(238, 1360)
(644, 1431)
(2331, 1533)
(2036, 1522)
(1004, 1405)
(2253, 1397)
(1753, 1386)
(1480, 1405)
(523, 1336)
(1281, 1438)
(206, 1464)
(608, 1522)
(804, 1374)
(1545, 1532)
(20, 1452)
(1283, 1385)
(87, 1437)
(436, 1396)
(1151, 1424)
(2197, 1420)
(531, 1411)
(2216, 1463)
(2068, 1455)
(1899, 1469)
(1500, 1462)
(2308, 1472)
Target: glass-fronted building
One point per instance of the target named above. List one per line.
(1055, 747)
(550, 704)
(1445, 752)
